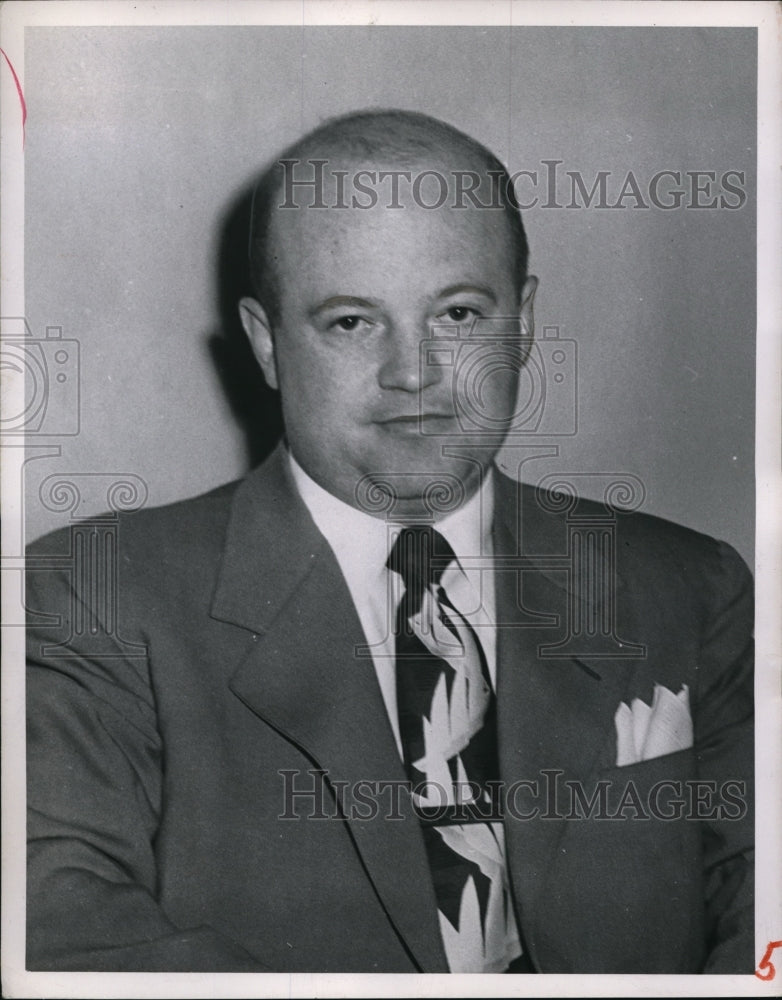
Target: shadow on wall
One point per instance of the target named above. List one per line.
(255, 406)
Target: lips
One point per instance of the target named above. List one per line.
(410, 422)
(408, 418)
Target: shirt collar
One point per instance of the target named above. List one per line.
(363, 542)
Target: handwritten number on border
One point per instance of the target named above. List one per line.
(766, 964)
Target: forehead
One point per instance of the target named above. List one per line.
(380, 205)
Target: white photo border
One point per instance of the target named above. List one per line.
(767, 18)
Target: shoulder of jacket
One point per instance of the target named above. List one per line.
(640, 538)
(198, 520)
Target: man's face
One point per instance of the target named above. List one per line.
(360, 291)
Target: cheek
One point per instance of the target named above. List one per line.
(322, 385)
(486, 383)
(506, 388)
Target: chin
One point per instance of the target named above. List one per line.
(426, 491)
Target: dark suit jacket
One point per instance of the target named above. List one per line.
(161, 739)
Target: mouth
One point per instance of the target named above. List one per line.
(411, 423)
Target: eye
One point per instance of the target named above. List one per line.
(347, 324)
(460, 314)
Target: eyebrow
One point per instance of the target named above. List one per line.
(459, 289)
(342, 300)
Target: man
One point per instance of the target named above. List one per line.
(353, 716)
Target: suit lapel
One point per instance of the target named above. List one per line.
(555, 714)
(280, 579)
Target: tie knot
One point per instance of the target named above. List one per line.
(420, 555)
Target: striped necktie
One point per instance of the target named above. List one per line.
(448, 730)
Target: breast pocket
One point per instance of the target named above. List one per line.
(630, 857)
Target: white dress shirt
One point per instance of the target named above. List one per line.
(361, 544)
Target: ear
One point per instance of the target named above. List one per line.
(525, 311)
(259, 332)
(526, 315)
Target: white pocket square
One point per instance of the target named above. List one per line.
(645, 731)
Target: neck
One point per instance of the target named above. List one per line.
(435, 501)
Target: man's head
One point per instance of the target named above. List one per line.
(374, 237)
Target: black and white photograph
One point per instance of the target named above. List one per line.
(391, 483)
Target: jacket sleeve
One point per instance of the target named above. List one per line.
(725, 747)
(94, 775)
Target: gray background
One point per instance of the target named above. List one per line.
(139, 140)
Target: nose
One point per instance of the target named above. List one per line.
(403, 364)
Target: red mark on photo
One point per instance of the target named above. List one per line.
(18, 90)
(766, 963)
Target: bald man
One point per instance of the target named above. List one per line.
(349, 719)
